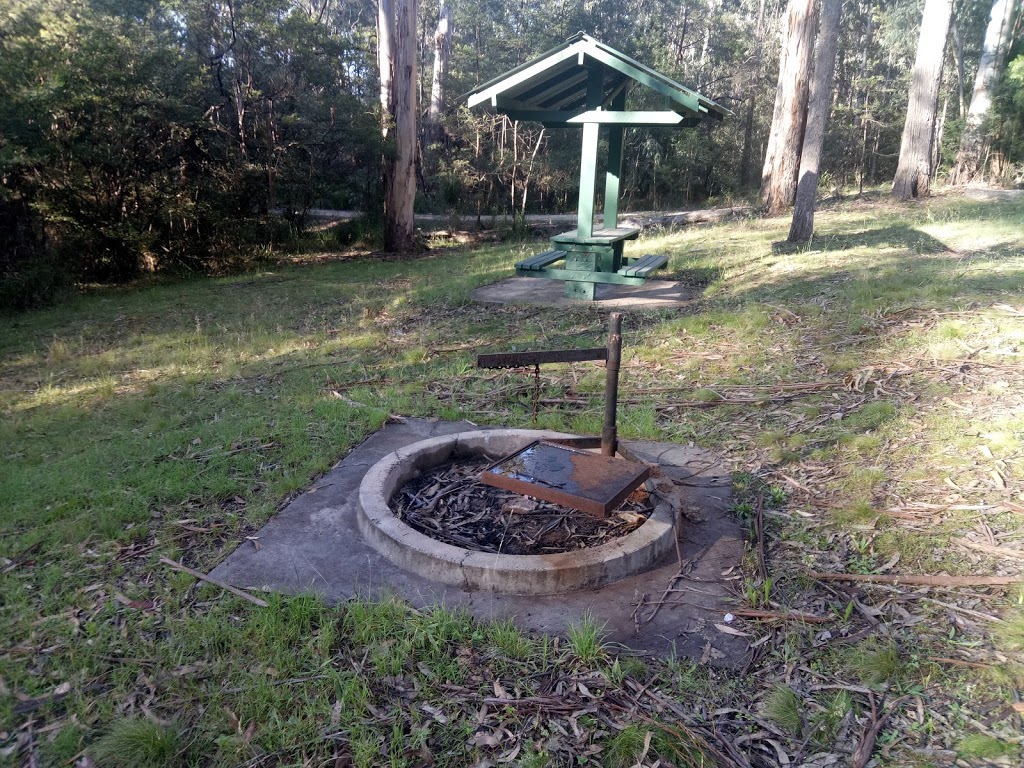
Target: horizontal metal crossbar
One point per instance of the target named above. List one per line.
(521, 359)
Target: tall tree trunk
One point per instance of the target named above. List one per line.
(386, 60)
(397, 60)
(753, 84)
(442, 52)
(819, 103)
(782, 161)
(958, 53)
(913, 174)
(993, 57)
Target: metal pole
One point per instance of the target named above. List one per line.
(611, 386)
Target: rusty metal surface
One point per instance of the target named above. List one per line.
(521, 359)
(589, 482)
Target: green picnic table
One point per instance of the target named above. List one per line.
(584, 82)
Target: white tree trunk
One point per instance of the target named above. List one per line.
(442, 52)
(913, 174)
(819, 103)
(782, 160)
(993, 57)
(398, 95)
(386, 60)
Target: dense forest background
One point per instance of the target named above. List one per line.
(163, 134)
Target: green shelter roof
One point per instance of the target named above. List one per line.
(583, 80)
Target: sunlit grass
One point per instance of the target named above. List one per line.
(127, 411)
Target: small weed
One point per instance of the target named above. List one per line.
(139, 743)
(978, 746)
(877, 664)
(1010, 633)
(508, 640)
(782, 707)
(586, 639)
(624, 748)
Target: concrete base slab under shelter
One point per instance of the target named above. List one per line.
(314, 545)
(654, 294)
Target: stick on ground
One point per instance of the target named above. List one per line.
(203, 577)
(921, 581)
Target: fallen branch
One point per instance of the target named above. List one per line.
(990, 549)
(807, 618)
(867, 743)
(203, 577)
(959, 662)
(921, 581)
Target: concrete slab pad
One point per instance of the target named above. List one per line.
(654, 294)
(314, 545)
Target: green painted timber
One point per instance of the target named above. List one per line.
(579, 276)
(541, 260)
(580, 291)
(538, 70)
(653, 80)
(597, 237)
(643, 266)
(614, 171)
(633, 119)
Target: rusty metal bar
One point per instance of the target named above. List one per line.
(523, 359)
(609, 434)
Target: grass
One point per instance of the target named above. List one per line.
(175, 419)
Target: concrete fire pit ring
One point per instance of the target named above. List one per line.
(484, 571)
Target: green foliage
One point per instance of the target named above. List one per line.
(159, 137)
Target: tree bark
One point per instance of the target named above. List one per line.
(386, 60)
(820, 101)
(993, 56)
(442, 52)
(782, 161)
(913, 174)
(747, 169)
(397, 58)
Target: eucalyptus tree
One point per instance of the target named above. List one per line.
(914, 172)
(973, 140)
(819, 104)
(782, 159)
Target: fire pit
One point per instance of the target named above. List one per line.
(496, 571)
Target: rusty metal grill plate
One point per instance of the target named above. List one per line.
(585, 481)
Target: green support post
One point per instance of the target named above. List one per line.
(614, 173)
(588, 175)
(588, 164)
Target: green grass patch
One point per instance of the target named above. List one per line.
(174, 419)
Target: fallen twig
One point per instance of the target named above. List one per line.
(807, 618)
(203, 577)
(921, 580)
(867, 743)
(959, 662)
(762, 568)
(990, 549)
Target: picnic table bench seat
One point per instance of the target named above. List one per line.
(644, 265)
(540, 261)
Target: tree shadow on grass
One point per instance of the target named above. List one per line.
(908, 268)
(898, 236)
